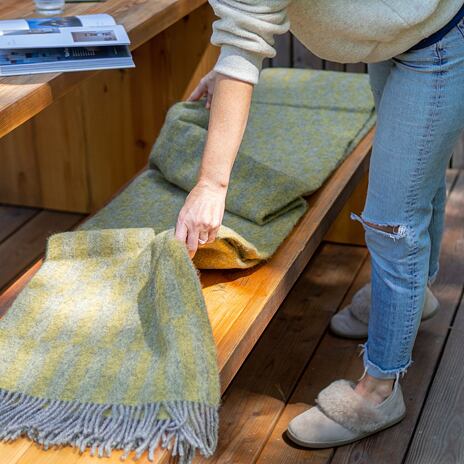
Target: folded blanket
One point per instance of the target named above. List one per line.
(302, 125)
(109, 347)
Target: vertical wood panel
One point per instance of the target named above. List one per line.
(19, 182)
(356, 67)
(42, 160)
(167, 71)
(292, 53)
(60, 143)
(108, 128)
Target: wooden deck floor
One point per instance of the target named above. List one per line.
(297, 357)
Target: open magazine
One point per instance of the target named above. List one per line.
(75, 43)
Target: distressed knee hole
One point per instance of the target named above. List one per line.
(389, 229)
(392, 231)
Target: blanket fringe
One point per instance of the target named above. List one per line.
(102, 428)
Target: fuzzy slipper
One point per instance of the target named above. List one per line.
(343, 416)
(352, 321)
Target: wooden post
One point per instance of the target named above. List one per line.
(344, 229)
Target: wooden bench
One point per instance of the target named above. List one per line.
(96, 128)
(241, 303)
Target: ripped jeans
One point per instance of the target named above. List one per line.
(419, 97)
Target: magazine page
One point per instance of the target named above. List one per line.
(56, 23)
(73, 31)
(35, 56)
(33, 61)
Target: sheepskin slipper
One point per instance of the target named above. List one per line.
(343, 416)
(352, 321)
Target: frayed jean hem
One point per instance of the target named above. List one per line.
(376, 371)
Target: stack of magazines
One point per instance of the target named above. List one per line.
(76, 43)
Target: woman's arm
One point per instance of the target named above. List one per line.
(245, 32)
(203, 210)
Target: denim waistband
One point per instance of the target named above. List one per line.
(436, 36)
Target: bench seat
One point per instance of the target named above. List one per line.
(242, 302)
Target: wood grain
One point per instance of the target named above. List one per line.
(23, 97)
(43, 160)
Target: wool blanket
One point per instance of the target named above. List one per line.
(302, 125)
(109, 347)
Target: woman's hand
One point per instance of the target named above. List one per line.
(206, 86)
(201, 216)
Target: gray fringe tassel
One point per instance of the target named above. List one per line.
(102, 428)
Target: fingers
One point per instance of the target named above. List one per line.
(209, 98)
(192, 242)
(181, 230)
(199, 91)
(203, 237)
(212, 234)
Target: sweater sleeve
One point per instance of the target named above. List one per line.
(245, 32)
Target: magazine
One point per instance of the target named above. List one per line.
(75, 43)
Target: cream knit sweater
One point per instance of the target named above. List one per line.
(346, 31)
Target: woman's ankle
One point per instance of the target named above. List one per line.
(374, 389)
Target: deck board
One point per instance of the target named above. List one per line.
(13, 218)
(21, 249)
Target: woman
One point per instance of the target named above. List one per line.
(415, 52)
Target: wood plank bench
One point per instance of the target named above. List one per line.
(103, 123)
(241, 303)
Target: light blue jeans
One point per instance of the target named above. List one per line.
(419, 97)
